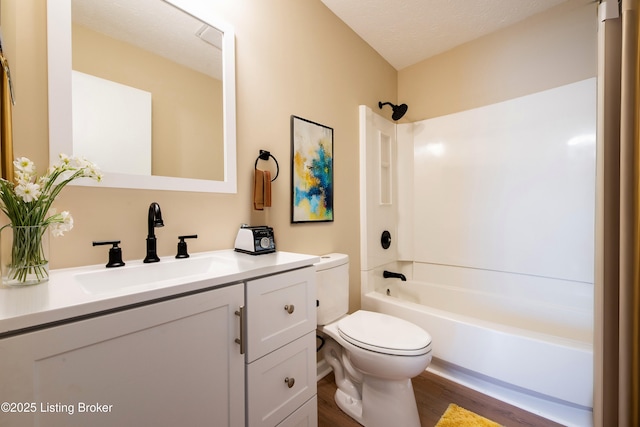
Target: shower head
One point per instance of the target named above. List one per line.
(398, 110)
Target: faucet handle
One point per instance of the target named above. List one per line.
(115, 253)
(182, 246)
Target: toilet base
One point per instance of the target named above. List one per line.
(350, 406)
(386, 403)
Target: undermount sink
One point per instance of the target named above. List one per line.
(139, 275)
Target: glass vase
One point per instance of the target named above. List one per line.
(28, 260)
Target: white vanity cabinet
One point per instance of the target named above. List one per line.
(169, 363)
(281, 350)
(220, 339)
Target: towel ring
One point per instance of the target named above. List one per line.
(264, 155)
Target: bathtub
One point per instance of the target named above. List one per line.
(535, 352)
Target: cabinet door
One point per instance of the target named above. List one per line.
(166, 364)
(280, 309)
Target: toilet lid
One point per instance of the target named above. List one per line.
(384, 334)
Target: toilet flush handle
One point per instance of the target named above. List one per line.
(289, 308)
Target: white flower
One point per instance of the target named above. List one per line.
(27, 200)
(42, 181)
(24, 165)
(65, 224)
(70, 165)
(28, 191)
(92, 171)
(81, 162)
(65, 160)
(21, 177)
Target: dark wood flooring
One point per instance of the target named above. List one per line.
(433, 395)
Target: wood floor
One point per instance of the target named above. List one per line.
(433, 395)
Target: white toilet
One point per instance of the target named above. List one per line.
(373, 355)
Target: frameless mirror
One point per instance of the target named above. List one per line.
(160, 117)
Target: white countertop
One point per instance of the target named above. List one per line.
(63, 297)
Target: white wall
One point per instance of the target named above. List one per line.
(509, 187)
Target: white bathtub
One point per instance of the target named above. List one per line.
(534, 352)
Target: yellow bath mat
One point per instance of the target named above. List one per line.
(457, 416)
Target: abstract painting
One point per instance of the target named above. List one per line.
(312, 171)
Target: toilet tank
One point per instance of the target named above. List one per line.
(332, 287)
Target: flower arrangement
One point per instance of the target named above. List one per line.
(27, 204)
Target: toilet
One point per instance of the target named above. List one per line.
(373, 355)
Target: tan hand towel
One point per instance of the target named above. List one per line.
(258, 190)
(267, 189)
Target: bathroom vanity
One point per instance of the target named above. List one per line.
(221, 338)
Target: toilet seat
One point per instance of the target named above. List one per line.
(385, 334)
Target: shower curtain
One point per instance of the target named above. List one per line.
(617, 339)
(6, 134)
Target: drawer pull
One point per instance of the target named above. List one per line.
(289, 308)
(290, 381)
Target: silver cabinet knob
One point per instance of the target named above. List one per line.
(290, 381)
(289, 308)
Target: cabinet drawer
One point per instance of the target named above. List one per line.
(305, 416)
(280, 309)
(270, 398)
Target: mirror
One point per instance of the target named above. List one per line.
(167, 136)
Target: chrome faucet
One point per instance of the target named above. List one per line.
(155, 220)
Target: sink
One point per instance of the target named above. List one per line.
(146, 275)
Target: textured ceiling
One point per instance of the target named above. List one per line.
(405, 32)
(152, 25)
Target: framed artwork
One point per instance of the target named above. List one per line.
(311, 171)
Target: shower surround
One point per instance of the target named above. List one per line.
(491, 213)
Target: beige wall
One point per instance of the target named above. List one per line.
(548, 50)
(292, 57)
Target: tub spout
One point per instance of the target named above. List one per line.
(387, 274)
